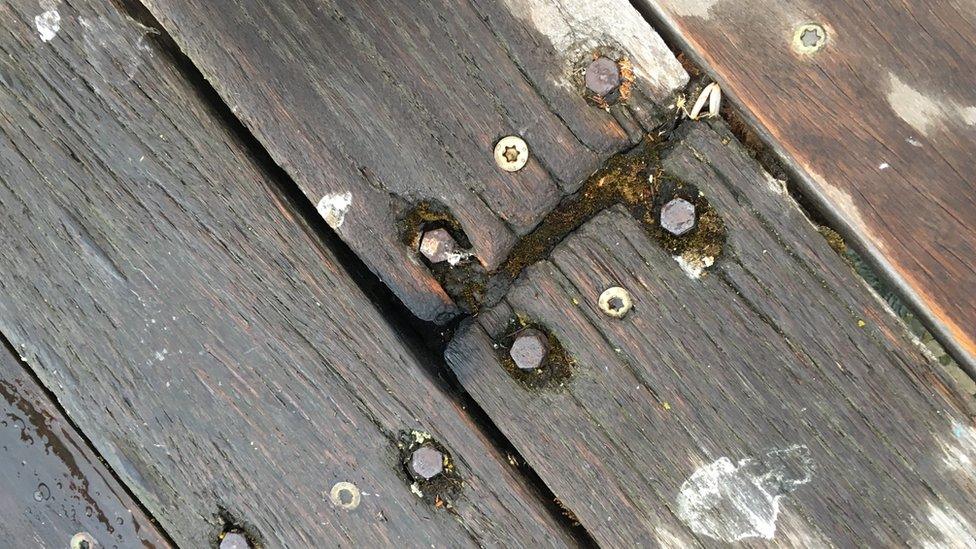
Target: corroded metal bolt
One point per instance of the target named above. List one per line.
(678, 216)
(602, 76)
(234, 540)
(438, 245)
(82, 540)
(529, 349)
(511, 153)
(426, 462)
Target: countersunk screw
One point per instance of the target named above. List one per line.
(678, 216)
(602, 77)
(426, 462)
(529, 349)
(234, 539)
(437, 245)
(511, 153)
(83, 540)
(809, 38)
(615, 301)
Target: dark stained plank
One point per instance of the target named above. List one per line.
(880, 124)
(374, 108)
(52, 486)
(772, 397)
(202, 335)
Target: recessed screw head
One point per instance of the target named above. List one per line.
(82, 540)
(602, 76)
(426, 462)
(511, 153)
(678, 216)
(809, 38)
(529, 349)
(437, 245)
(234, 540)
(615, 302)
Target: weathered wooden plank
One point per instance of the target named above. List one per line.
(878, 123)
(375, 108)
(52, 486)
(202, 335)
(772, 397)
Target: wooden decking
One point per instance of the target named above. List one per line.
(215, 317)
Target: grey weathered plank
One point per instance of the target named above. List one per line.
(375, 107)
(52, 486)
(778, 355)
(200, 333)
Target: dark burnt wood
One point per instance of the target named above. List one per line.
(880, 125)
(52, 486)
(387, 105)
(779, 355)
(200, 333)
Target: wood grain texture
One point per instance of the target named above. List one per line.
(880, 124)
(198, 331)
(375, 107)
(773, 398)
(52, 486)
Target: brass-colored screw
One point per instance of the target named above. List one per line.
(809, 38)
(615, 302)
(511, 153)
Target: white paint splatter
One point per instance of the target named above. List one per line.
(693, 8)
(778, 186)
(957, 532)
(924, 112)
(730, 502)
(884, 166)
(959, 451)
(48, 23)
(694, 266)
(575, 28)
(333, 208)
(913, 142)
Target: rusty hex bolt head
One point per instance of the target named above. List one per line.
(437, 245)
(529, 349)
(426, 462)
(234, 540)
(678, 216)
(602, 76)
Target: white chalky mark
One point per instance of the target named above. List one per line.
(730, 502)
(959, 451)
(778, 186)
(333, 208)
(883, 166)
(342, 491)
(913, 142)
(693, 8)
(48, 24)
(576, 27)
(957, 532)
(693, 266)
(923, 112)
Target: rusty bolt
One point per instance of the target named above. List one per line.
(82, 540)
(426, 462)
(602, 76)
(529, 349)
(511, 153)
(234, 539)
(438, 245)
(678, 216)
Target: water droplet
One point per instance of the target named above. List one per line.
(42, 493)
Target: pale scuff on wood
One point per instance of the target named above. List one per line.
(578, 27)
